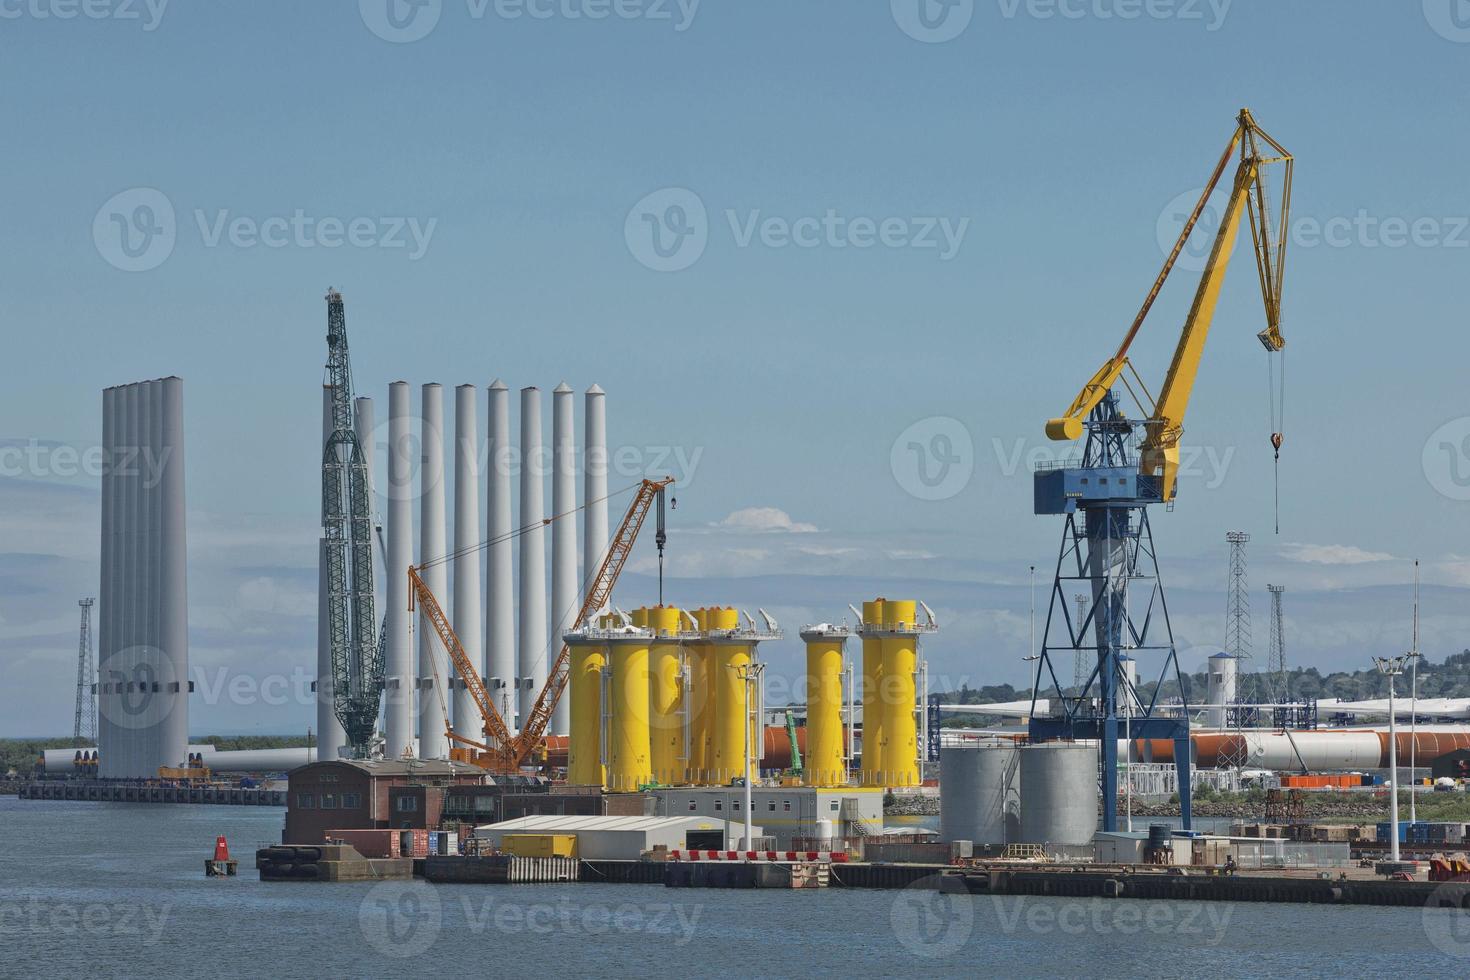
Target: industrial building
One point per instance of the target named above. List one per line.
(598, 838)
(785, 812)
(343, 794)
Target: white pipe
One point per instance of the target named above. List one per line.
(172, 573)
(500, 627)
(467, 595)
(397, 669)
(594, 486)
(133, 735)
(532, 651)
(108, 593)
(433, 663)
(566, 594)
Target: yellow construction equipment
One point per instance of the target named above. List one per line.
(898, 692)
(666, 697)
(629, 749)
(824, 763)
(500, 752)
(584, 751)
(1250, 195)
(872, 767)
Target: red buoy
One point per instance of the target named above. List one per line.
(221, 849)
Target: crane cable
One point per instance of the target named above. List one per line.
(524, 529)
(1276, 383)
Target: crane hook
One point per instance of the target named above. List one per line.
(1276, 440)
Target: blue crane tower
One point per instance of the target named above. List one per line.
(357, 657)
(1129, 464)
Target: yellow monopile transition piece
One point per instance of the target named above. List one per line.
(899, 693)
(584, 754)
(823, 764)
(666, 708)
(629, 764)
(872, 766)
(701, 704)
(728, 661)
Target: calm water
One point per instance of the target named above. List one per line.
(117, 890)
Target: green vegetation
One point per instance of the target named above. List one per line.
(1450, 679)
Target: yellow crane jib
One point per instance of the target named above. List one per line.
(1163, 418)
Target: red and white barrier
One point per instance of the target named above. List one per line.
(836, 857)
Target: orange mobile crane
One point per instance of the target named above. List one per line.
(500, 751)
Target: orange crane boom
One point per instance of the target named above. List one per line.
(500, 751)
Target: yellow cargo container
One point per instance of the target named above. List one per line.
(540, 845)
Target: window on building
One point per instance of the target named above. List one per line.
(786, 805)
(329, 801)
(719, 804)
(771, 806)
(833, 805)
(408, 804)
(693, 805)
(305, 801)
(351, 801)
(737, 806)
(484, 804)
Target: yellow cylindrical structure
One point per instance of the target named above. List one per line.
(666, 697)
(584, 753)
(731, 722)
(701, 703)
(629, 764)
(872, 767)
(899, 693)
(824, 764)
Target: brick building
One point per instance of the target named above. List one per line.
(342, 794)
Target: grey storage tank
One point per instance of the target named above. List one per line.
(979, 799)
(1059, 793)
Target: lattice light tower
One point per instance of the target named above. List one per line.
(1276, 676)
(84, 725)
(1238, 646)
(1082, 667)
(1238, 601)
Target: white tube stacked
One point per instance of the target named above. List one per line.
(143, 633)
(433, 665)
(532, 651)
(398, 665)
(594, 485)
(566, 592)
(500, 629)
(467, 597)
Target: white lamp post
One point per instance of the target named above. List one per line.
(1414, 704)
(1392, 667)
(751, 674)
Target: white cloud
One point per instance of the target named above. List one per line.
(764, 519)
(1331, 554)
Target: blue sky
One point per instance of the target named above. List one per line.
(494, 175)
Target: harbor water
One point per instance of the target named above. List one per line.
(118, 890)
